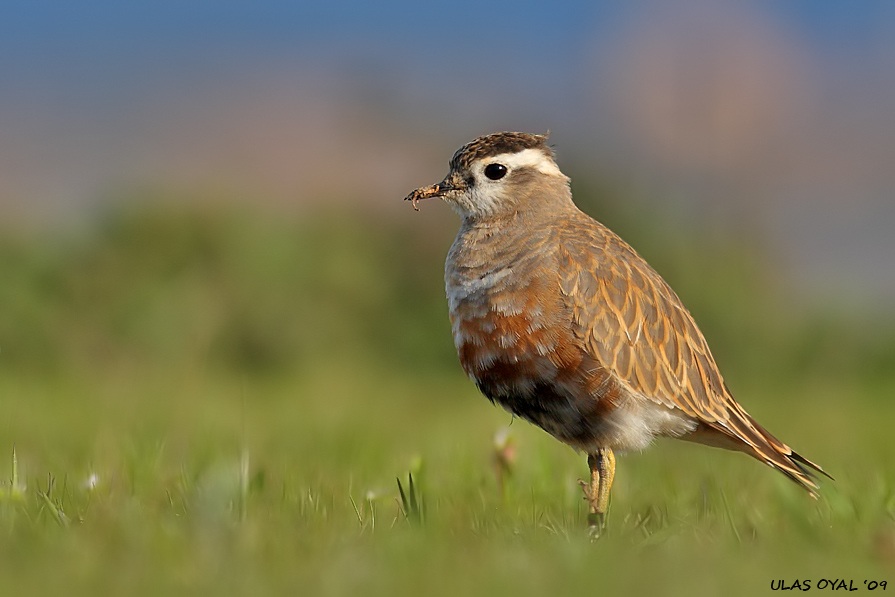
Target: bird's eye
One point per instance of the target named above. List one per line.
(495, 171)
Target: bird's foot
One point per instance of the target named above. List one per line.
(585, 488)
(596, 525)
(596, 520)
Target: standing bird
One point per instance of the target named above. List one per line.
(562, 323)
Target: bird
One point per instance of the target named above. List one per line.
(562, 323)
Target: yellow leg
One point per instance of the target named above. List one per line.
(602, 473)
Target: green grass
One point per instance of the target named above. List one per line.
(198, 402)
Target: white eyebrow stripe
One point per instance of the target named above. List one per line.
(531, 158)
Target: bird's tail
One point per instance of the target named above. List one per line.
(742, 433)
(761, 444)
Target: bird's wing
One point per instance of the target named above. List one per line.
(633, 323)
(636, 326)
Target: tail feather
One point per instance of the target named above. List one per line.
(742, 433)
(789, 462)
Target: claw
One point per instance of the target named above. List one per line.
(585, 488)
(596, 524)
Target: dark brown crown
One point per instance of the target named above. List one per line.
(495, 144)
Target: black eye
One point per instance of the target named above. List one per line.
(495, 171)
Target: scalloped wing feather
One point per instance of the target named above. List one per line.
(634, 324)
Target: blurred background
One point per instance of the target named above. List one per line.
(774, 119)
(201, 203)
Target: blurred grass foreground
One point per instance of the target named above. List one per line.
(218, 400)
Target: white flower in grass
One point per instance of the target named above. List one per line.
(91, 482)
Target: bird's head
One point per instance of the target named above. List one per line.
(500, 174)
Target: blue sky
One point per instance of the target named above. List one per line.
(98, 52)
(108, 35)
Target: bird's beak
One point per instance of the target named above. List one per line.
(435, 190)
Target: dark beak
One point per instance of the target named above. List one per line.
(435, 190)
